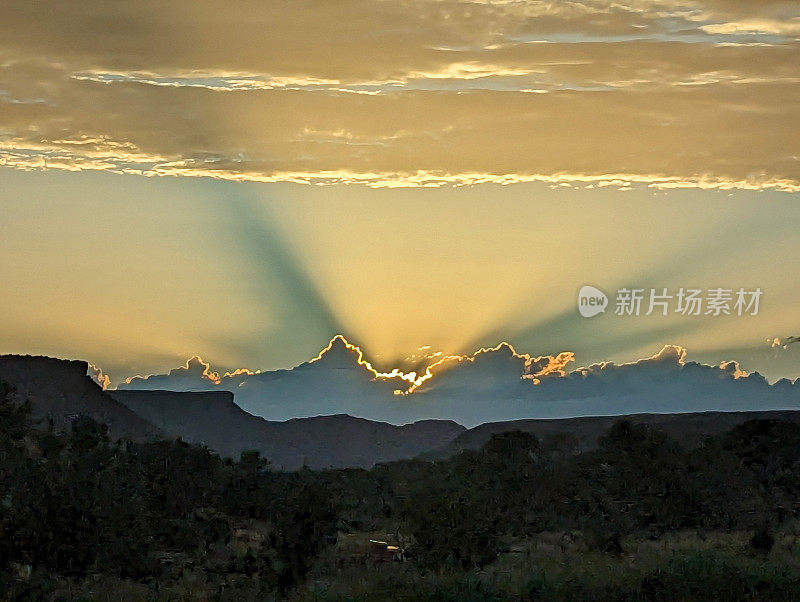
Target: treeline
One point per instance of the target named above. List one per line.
(637, 482)
(76, 508)
(75, 504)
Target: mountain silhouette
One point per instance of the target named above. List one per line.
(60, 391)
(214, 420)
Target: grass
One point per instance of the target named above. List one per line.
(556, 566)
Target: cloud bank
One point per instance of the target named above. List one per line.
(667, 93)
(490, 385)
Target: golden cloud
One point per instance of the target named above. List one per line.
(426, 93)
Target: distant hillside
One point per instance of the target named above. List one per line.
(582, 434)
(213, 419)
(60, 390)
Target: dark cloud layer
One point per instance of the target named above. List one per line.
(490, 385)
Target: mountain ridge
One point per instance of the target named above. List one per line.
(339, 440)
(60, 390)
(580, 434)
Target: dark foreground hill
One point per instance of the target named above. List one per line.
(575, 435)
(61, 391)
(214, 420)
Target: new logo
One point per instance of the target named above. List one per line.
(591, 301)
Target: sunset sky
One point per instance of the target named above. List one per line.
(242, 182)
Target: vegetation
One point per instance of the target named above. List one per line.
(82, 517)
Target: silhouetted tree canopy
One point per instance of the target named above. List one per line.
(76, 504)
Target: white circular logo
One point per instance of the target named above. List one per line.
(591, 301)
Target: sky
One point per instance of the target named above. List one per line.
(424, 176)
